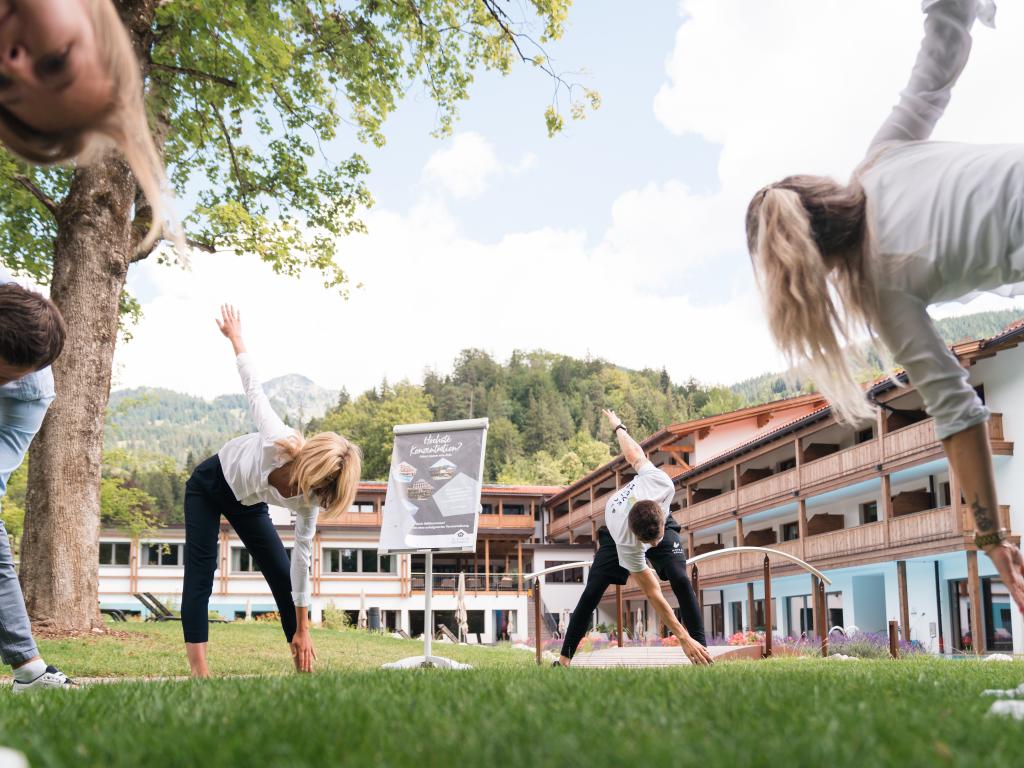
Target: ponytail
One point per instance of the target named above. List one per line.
(812, 251)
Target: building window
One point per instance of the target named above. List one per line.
(115, 553)
(358, 561)
(369, 560)
(164, 554)
(513, 509)
(736, 614)
(486, 509)
(790, 531)
(571, 576)
(865, 435)
(363, 507)
(787, 464)
(869, 512)
(242, 561)
(947, 497)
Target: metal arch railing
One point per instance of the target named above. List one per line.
(819, 578)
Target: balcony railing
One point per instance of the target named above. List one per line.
(930, 525)
(782, 484)
(846, 541)
(839, 465)
(475, 584)
(914, 443)
(710, 509)
(519, 523)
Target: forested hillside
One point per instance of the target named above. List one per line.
(544, 409)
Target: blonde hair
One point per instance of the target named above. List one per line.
(122, 122)
(326, 469)
(813, 252)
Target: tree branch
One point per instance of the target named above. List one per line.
(37, 193)
(200, 245)
(225, 81)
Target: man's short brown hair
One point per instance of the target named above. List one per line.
(31, 328)
(645, 520)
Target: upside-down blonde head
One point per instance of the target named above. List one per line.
(121, 121)
(326, 469)
(812, 249)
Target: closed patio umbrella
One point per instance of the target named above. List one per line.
(563, 622)
(461, 614)
(361, 622)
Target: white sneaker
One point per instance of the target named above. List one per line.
(51, 678)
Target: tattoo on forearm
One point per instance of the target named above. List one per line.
(984, 518)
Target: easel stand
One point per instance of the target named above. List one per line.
(427, 660)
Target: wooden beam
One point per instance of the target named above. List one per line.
(887, 507)
(763, 419)
(519, 556)
(901, 580)
(689, 544)
(974, 592)
(703, 433)
(487, 568)
(739, 532)
(750, 606)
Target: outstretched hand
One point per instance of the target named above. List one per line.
(230, 322)
(1009, 561)
(697, 654)
(613, 420)
(303, 653)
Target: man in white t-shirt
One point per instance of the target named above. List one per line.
(640, 527)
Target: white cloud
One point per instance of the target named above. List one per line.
(790, 86)
(783, 85)
(463, 168)
(468, 164)
(428, 293)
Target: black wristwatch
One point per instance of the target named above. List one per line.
(622, 427)
(982, 541)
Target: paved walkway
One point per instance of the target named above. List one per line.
(659, 656)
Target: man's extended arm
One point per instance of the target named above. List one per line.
(630, 448)
(651, 587)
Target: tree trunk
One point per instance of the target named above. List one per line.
(60, 545)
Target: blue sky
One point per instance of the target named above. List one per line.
(621, 238)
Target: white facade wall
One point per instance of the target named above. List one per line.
(1003, 378)
(249, 592)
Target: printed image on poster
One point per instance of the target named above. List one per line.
(433, 496)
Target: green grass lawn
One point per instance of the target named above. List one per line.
(506, 712)
(255, 648)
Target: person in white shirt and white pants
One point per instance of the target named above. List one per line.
(274, 465)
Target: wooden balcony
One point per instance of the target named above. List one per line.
(520, 524)
(771, 488)
(838, 465)
(845, 542)
(353, 520)
(896, 450)
(916, 439)
(577, 517)
(704, 511)
(927, 532)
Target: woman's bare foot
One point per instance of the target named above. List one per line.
(196, 653)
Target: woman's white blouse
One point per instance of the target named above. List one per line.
(247, 462)
(947, 218)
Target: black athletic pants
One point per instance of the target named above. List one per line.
(207, 497)
(668, 560)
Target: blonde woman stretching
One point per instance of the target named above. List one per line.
(921, 222)
(70, 81)
(273, 465)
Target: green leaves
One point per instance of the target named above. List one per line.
(244, 96)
